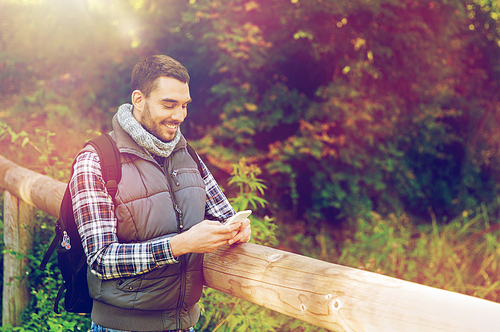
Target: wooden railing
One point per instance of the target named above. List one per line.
(335, 297)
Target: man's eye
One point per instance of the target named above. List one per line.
(169, 106)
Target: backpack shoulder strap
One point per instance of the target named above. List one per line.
(109, 157)
(194, 155)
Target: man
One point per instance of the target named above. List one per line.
(145, 256)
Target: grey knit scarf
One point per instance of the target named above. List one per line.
(141, 136)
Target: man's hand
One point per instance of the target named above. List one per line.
(206, 237)
(244, 233)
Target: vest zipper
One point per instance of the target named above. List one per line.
(174, 177)
(182, 259)
(183, 291)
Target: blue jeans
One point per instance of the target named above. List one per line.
(97, 328)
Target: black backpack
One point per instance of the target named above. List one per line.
(71, 258)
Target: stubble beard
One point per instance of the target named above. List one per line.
(152, 127)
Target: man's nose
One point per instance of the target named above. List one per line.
(179, 114)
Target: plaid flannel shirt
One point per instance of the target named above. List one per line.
(94, 215)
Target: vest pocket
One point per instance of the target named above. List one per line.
(145, 294)
(186, 178)
(129, 285)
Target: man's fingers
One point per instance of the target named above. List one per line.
(243, 236)
(209, 235)
(232, 227)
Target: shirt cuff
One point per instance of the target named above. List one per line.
(162, 253)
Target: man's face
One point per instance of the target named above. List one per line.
(165, 108)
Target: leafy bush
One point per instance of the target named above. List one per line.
(355, 106)
(346, 106)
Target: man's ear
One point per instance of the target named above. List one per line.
(138, 100)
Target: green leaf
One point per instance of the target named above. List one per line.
(25, 141)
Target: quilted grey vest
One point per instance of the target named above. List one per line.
(153, 201)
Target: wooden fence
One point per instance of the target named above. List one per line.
(331, 296)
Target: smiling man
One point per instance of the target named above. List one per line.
(168, 110)
(145, 249)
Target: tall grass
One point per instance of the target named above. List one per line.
(462, 255)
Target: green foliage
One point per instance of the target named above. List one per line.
(249, 186)
(345, 106)
(42, 143)
(44, 319)
(354, 106)
(7, 132)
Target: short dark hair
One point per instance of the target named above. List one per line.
(146, 73)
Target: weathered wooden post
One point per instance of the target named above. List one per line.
(18, 230)
(24, 189)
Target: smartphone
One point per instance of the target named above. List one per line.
(240, 216)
